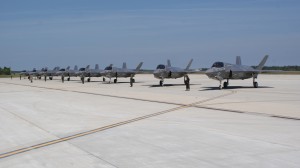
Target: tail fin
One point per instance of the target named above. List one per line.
(139, 66)
(124, 65)
(97, 67)
(68, 68)
(262, 62)
(87, 67)
(76, 68)
(189, 64)
(238, 60)
(169, 63)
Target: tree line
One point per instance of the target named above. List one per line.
(5, 71)
(283, 68)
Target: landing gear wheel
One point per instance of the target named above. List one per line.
(161, 83)
(50, 77)
(133, 80)
(115, 80)
(89, 79)
(225, 84)
(63, 79)
(103, 79)
(255, 84)
(68, 79)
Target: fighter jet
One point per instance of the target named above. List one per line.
(114, 72)
(168, 72)
(87, 72)
(224, 71)
(67, 73)
(49, 73)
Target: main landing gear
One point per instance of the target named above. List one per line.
(161, 82)
(255, 84)
(89, 79)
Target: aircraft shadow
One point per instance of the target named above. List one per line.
(168, 85)
(234, 87)
(119, 83)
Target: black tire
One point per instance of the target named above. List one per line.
(225, 84)
(68, 79)
(133, 80)
(89, 79)
(160, 83)
(103, 79)
(115, 80)
(255, 84)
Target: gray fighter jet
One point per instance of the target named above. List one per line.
(114, 72)
(168, 72)
(49, 73)
(67, 73)
(87, 72)
(225, 71)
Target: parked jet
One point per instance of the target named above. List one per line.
(67, 73)
(224, 71)
(113, 72)
(168, 72)
(50, 73)
(87, 72)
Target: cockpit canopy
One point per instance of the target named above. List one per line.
(62, 69)
(82, 69)
(160, 66)
(218, 65)
(108, 68)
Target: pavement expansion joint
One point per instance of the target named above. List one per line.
(52, 142)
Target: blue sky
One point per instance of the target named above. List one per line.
(38, 33)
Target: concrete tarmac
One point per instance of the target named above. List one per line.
(101, 124)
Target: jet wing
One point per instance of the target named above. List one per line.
(194, 71)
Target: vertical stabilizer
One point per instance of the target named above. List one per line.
(124, 65)
(76, 68)
(139, 66)
(238, 60)
(96, 67)
(168, 63)
(189, 64)
(68, 68)
(87, 67)
(262, 62)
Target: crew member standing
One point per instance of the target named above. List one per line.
(131, 81)
(30, 77)
(187, 82)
